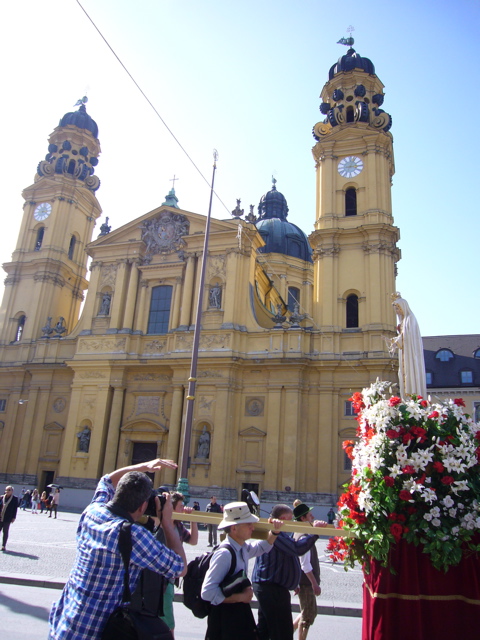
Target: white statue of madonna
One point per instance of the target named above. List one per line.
(411, 363)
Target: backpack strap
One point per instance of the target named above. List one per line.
(233, 563)
(125, 546)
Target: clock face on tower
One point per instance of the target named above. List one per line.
(350, 166)
(42, 211)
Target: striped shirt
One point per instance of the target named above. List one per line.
(281, 566)
(95, 585)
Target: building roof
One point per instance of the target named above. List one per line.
(80, 119)
(350, 61)
(279, 235)
(447, 371)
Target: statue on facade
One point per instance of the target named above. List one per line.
(105, 306)
(215, 297)
(47, 329)
(203, 450)
(411, 363)
(60, 327)
(84, 440)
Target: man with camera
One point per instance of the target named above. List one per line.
(95, 585)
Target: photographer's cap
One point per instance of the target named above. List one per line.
(236, 513)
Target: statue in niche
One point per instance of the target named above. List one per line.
(105, 306)
(84, 440)
(203, 450)
(215, 297)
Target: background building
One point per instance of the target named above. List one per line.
(290, 327)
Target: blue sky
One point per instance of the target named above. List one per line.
(245, 78)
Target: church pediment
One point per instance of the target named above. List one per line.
(143, 426)
(162, 230)
(252, 432)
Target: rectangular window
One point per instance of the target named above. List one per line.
(3, 405)
(349, 408)
(467, 377)
(347, 463)
(476, 411)
(159, 316)
(428, 377)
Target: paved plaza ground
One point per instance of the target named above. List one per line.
(41, 551)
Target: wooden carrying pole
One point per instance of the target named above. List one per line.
(263, 526)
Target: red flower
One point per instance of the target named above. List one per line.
(404, 495)
(412, 510)
(360, 518)
(394, 400)
(396, 531)
(392, 434)
(459, 402)
(420, 432)
(448, 480)
(433, 415)
(348, 448)
(408, 469)
(422, 478)
(424, 403)
(407, 437)
(477, 435)
(389, 481)
(357, 402)
(438, 466)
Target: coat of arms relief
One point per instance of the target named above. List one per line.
(163, 234)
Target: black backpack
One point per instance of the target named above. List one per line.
(193, 581)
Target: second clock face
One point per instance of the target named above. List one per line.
(42, 211)
(350, 166)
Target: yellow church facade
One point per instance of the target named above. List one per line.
(291, 325)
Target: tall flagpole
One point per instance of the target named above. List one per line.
(185, 462)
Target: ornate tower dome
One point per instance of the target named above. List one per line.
(279, 235)
(80, 119)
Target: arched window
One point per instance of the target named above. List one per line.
(444, 355)
(71, 167)
(39, 240)
(350, 114)
(352, 311)
(71, 248)
(20, 327)
(351, 202)
(159, 315)
(477, 354)
(293, 297)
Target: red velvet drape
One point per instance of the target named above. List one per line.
(421, 603)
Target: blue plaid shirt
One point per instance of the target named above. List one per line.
(95, 585)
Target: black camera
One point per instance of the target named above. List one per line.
(151, 509)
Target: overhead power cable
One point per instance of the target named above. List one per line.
(150, 103)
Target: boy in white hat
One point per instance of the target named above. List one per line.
(231, 617)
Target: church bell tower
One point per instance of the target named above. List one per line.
(46, 276)
(354, 242)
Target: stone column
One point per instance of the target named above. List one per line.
(131, 297)
(177, 297)
(27, 431)
(175, 429)
(118, 304)
(187, 296)
(140, 323)
(113, 434)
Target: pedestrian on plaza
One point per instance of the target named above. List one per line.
(8, 513)
(213, 507)
(35, 501)
(95, 588)
(331, 516)
(309, 587)
(190, 537)
(196, 505)
(276, 574)
(27, 500)
(231, 617)
(55, 501)
(43, 502)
